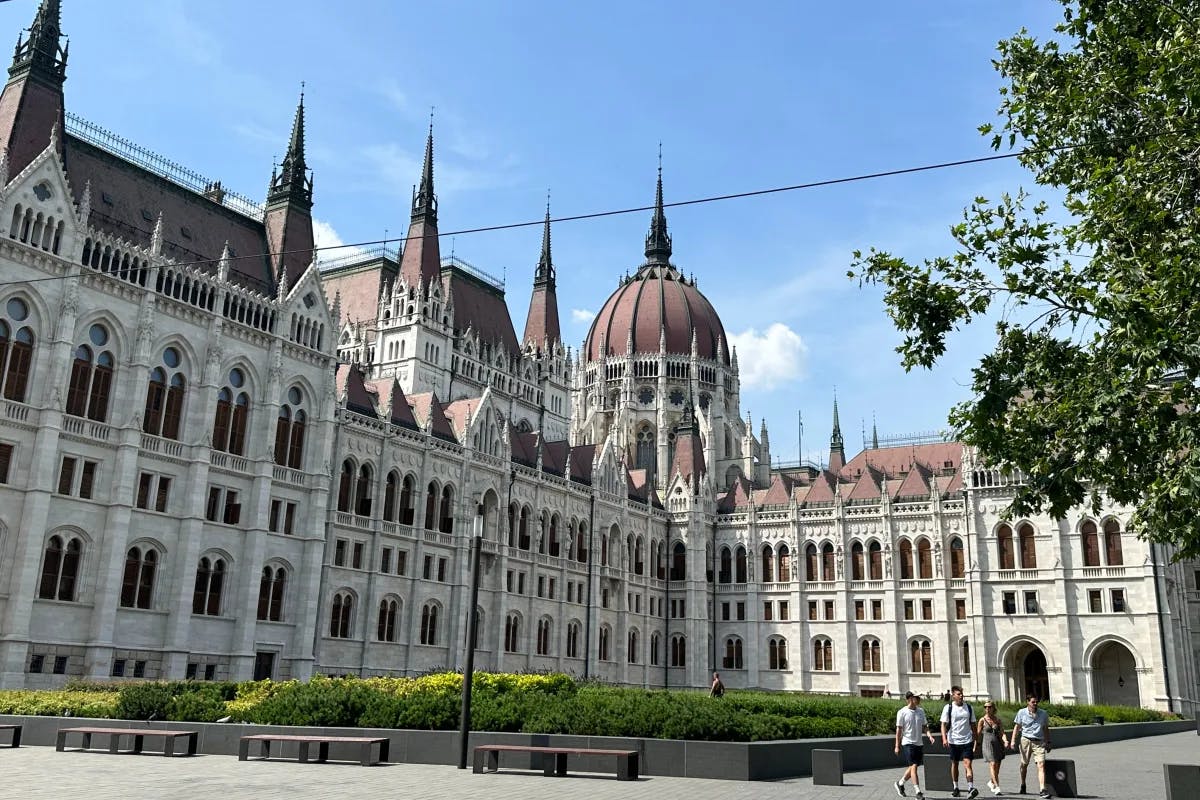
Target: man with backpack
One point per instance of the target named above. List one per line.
(958, 734)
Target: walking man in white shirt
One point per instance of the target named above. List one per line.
(910, 724)
(958, 734)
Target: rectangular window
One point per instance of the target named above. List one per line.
(357, 558)
(629, 601)
(139, 669)
(860, 609)
(521, 584)
(36, 662)
(289, 518)
(926, 609)
(908, 610)
(508, 581)
(960, 608)
(1118, 601)
(401, 562)
(233, 509)
(724, 612)
(210, 672)
(213, 504)
(66, 475)
(60, 665)
(339, 553)
(118, 668)
(6, 457)
(385, 561)
(192, 669)
(812, 609)
(783, 610)
(87, 479)
(550, 594)
(145, 487)
(1010, 602)
(541, 586)
(1095, 601)
(275, 516)
(604, 598)
(828, 609)
(876, 609)
(163, 494)
(427, 568)
(767, 611)
(1031, 603)
(741, 611)
(442, 564)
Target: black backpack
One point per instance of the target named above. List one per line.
(970, 713)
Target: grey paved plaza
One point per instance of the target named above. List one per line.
(1130, 769)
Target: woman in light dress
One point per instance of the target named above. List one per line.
(991, 733)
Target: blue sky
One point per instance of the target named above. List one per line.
(575, 98)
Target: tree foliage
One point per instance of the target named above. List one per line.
(1092, 386)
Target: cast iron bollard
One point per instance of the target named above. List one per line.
(1060, 777)
(1183, 781)
(827, 767)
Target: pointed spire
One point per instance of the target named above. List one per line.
(336, 311)
(156, 238)
(41, 54)
(658, 241)
(85, 203)
(837, 447)
(3, 167)
(874, 433)
(545, 266)
(224, 264)
(283, 287)
(291, 182)
(424, 206)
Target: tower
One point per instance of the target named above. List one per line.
(32, 101)
(288, 218)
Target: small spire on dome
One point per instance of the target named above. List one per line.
(658, 241)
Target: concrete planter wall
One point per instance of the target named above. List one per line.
(739, 761)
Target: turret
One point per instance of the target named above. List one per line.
(421, 261)
(541, 323)
(837, 447)
(31, 105)
(288, 218)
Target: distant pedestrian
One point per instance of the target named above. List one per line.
(718, 688)
(1033, 724)
(958, 734)
(910, 724)
(991, 735)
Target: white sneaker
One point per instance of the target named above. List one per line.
(899, 788)
(991, 786)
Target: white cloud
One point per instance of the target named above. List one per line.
(582, 315)
(766, 360)
(330, 246)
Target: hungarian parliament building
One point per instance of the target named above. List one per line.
(222, 460)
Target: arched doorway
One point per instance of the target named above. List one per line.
(1114, 676)
(1026, 669)
(1037, 679)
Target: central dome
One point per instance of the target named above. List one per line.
(657, 306)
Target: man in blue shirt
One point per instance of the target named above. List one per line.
(1034, 725)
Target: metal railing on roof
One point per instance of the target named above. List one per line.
(457, 263)
(904, 440)
(163, 167)
(359, 255)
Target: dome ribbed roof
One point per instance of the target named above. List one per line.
(657, 302)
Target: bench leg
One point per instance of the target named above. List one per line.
(243, 749)
(60, 741)
(385, 750)
(138, 743)
(304, 752)
(366, 753)
(16, 740)
(87, 742)
(627, 768)
(493, 760)
(266, 750)
(549, 762)
(114, 742)
(477, 760)
(323, 752)
(193, 743)
(560, 763)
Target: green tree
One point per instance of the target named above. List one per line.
(1092, 386)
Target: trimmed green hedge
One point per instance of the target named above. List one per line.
(551, 703)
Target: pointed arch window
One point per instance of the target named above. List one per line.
(408, 491)
(631, 651)
(654, 641)
(210, 583)
(389, 498)
(523, 541)
(512, 633)
(270, 594)
(768, 564)
(604, 648)
(740, 565)
(385, 627)
(924, 558)
(811, 563)
(1091, 544)
(784, 561)
(345, 486)
(958, 561)
(870, 659)
(446, 510)
(232, 415)
(875, 561)
(1112, 543)
(573, 640)
(679, 562)
(164, 397)
(645, 455)
(90, 388)
(678, 651)
(341, 615)
(543, 637)
(964, 656)
(822, 654)
(137, 583)
(1028, 546)
(431, 506)
(921, 652)
(429, 624)
(906, 560)
(828, 564)
(290, 429)
(733, 654)
(16, 350)
(857, 562)
(1004, 545)
(777, 655)
(725, 572)
(60, 568)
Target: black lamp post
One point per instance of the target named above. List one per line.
(464, 726)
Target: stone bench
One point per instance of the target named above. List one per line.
(16, 733)
(365, 746)
(554, 759)
(139, 739)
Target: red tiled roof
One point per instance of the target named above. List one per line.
(524, 446)
(421, 261)
(391, 396)
(894, 460)
(459, 414)
(541, 323)
(657, 298)
(868, 487)
(822, 490)
(359, 290)
(134, 193)
(737, 496)
(779, 492)
(581, 458)
(554, 457)
(916, 483)
(637, 482)
(689, 459)
(360, 398)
